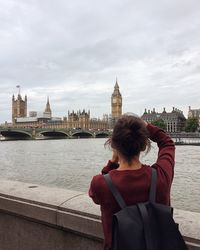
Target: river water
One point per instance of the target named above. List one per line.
(72, 163)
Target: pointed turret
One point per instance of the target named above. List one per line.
(48, 108)
(116, 89)
(19, 97)
(116, 84)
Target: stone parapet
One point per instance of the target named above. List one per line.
(44, 218)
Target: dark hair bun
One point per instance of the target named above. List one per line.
(130, 136)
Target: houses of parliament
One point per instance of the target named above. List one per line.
(73, 120)
(174, 120)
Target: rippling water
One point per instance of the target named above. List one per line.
(72, 163)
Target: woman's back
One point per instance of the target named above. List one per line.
(134, 184)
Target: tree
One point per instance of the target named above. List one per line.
(160, 123)
(192, 125)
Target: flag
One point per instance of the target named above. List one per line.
(18, 86)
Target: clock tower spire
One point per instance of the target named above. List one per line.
(116, 102)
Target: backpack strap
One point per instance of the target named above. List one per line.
(144, 213)
(117, 195)
(152, 194)
(147, 228)
(114, 191)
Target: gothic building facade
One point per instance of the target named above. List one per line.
(82, 120)
(35, 118)
(74, 120)
(19, 107)
(174, 120)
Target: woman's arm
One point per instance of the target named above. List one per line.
(92, 191)
(166, 152)
(95, 191)
(112, 164)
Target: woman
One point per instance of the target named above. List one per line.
(132, 178)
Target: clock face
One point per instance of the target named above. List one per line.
(114, 100)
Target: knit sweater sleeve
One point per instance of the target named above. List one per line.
(96, 191)
(110, 166)
(166, 153)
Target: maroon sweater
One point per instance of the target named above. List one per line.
(134, 185)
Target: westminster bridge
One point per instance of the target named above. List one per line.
(13, 133)
(49, 133)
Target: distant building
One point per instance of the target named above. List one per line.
(174, 120)
(116, 104)
(35, 119)
(75, 120)
(82, 120)
(78, 119)
(47, 111)
(19, 107)
(194, 113)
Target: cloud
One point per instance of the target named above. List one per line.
(72, 51)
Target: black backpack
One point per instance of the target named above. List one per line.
(144, 226)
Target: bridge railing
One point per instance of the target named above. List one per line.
(185, 135)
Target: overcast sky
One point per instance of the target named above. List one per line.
(72, 51)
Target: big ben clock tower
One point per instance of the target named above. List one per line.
(116, 102)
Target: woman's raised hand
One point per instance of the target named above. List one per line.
(115, 157)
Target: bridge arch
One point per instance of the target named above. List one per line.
(82, 134)
(16, 135)
(52, 134)
(102, 134)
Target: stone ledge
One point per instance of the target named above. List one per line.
(82, 205)
(29, 210)
(74, 211)
(60, 208)
(36, 194)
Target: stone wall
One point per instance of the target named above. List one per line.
(35, 217)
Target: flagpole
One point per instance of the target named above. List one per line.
(18, 86)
